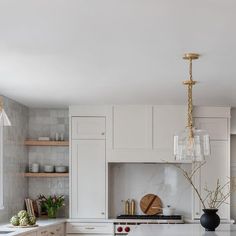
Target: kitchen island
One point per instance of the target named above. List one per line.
(182, 230)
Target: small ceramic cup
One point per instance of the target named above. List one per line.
(34, 168)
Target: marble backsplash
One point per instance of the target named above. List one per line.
(133, 181)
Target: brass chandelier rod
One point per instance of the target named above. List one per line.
(189, 83)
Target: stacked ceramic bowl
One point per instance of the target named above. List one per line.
(57, 169)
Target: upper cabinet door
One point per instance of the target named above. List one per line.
(167, 121)
(132, 127)
(216, 168)
(217, 128)
(88, 127)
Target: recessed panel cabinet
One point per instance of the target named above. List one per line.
(88, 127)
(88, 173)
(167, 120)
(217, 164)
(132, 127)
(145, 133)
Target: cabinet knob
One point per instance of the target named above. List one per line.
(103, 213)
(103, 133)
(197, 213)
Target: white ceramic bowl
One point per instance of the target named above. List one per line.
(48, 168)
(60, 169)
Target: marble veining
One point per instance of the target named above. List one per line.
(133, 181)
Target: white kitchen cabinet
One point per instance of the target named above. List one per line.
(88, 127)
(43, 232)
(217, 128)
(233, 121)
(216, 121)
(216, 167)
(132, 127)
(167, 120)
(54, 230)
(89, 229)
(30, 234)
(88, 179)
(59, 230)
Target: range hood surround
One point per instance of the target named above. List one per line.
(134, 180)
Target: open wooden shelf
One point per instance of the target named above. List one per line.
(46, 175)
(46, 143)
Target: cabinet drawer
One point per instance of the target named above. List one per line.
(43, 232)
(31, 234)
(59, 230)
(89, 228)
(217, 128)
(88, 127)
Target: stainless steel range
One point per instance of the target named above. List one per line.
(126, 223)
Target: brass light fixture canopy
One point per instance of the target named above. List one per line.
(191, 56)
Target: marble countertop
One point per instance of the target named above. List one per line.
(41, 223)
(182, 230)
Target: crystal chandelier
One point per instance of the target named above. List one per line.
(191, 144)
(4, 120)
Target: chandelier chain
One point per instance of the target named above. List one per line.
(190, 101)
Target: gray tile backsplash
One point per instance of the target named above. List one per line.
(48, 122)
(32, 123)
(15, 159)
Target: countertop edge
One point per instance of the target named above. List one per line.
(41, 224)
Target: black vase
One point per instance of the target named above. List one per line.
(210, 220)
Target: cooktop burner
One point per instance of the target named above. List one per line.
(150, 217)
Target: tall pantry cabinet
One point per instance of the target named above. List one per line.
(88, 167)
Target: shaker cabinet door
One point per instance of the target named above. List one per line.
(217, 128)
(167, 121)
(88, 127)
(216, 167)
(88, 179)
(132, 127)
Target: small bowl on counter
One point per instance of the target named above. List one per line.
(61, 169)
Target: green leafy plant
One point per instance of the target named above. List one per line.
(51, 204)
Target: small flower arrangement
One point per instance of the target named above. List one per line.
(51, 204)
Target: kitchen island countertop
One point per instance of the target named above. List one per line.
(182, 230)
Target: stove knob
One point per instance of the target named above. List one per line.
(127, 229)
(119, 229)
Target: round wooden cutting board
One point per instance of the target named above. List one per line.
(151, 204)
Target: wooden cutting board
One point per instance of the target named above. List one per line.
(151, 204)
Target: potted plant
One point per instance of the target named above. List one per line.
(51, 204)
(213, 199)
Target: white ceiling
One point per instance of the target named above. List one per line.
(60, 52)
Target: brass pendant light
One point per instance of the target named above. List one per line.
(191, 144)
